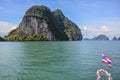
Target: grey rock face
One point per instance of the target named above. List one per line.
(34, 26)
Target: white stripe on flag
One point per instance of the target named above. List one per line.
(104, 61)
(109, 60)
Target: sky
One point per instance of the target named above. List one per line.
(93, 17)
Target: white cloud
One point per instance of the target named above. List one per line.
(105, 29)
(84, 28)
(6, 27)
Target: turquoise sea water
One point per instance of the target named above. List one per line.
(69, 60)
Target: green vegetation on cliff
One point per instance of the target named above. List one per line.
(2, 39)
(70, 28)
(42, 12)
(26, 38)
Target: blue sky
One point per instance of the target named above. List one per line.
(92, 16)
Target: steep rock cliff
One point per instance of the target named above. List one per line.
(39, 20)
(71, 29)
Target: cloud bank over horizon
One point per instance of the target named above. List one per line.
(90, 32)
(6, 27)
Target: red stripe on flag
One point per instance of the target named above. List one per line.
(110, 66)
(105, 62)
(108, 58)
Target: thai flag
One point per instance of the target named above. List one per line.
(107, 60)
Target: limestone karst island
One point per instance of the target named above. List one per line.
(41, 24)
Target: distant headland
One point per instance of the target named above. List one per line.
(102, 37)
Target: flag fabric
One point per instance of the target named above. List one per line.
(106, 60)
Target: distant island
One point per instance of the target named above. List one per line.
(99, 37)
(102, 37)
(87, 39)
(115, 38)
(41, 24)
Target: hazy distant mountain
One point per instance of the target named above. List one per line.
(119, 38)
(101, 37)
(86, 39)
(114, 38)
(40, 23)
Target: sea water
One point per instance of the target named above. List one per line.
(65, 60)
